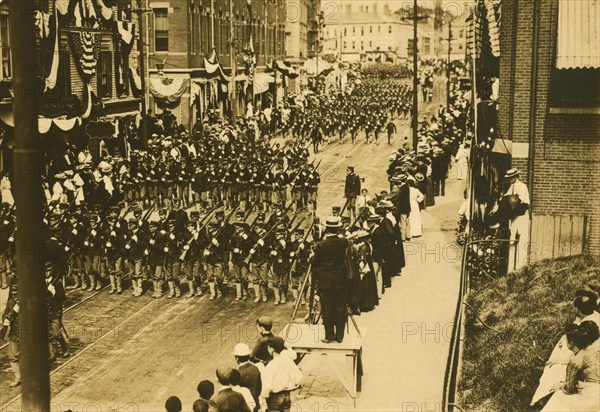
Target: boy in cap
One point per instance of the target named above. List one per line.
(206, 390)
(280, 377)
(260, 353)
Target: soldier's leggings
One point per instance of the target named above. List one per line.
(55, 337)
(92, 265)
(240, 273)
(172, 270)
(215, 272)
(76, 264)
(113, 267)
(259, 273)
(193, 271)
(135, 268)
(157, 272)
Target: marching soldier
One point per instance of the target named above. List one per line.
(154, 252)
(192, 257)
(55, 297)
(240, 247)
(92, 250)
(172, 250)
(114, 252)
(213, 255)
(300, 253)
(135, 236)
(280, 257)
(258, 258)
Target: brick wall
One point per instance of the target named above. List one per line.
(565, 176)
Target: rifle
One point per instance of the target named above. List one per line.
(199, 226)
(344, 208)
(254, 223)
(292, 266)
(269, 231)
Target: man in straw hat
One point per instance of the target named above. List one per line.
(517, 196)
(331, 279)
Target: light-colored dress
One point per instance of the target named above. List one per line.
(6, 193)
(414, 218)
(581, 391)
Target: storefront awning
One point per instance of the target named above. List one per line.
(44, 123)
(578, 46)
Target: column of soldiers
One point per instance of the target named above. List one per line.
(368, 106)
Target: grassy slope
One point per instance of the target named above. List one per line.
(530, 309)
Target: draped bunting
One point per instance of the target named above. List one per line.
(262, 82)
(213, 67)
(168, 90)
(136, 83)
(62, 6)
(86, 50)
(87, 102)
(195, 92)
(53, 75)
(126, 31)
(285, 68)
(494, 29)
(106, 12)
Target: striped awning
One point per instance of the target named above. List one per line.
(578, 44)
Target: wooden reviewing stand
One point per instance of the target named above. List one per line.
(306, 339)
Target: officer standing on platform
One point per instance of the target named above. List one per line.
(331, 279)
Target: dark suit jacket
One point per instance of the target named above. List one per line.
(251, 379)
(382, 239)
(227, 400)
(329, 263)
(401, 200)
(352, 188)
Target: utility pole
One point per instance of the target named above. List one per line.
(275, 51)
(27, 186)
(142, 64)
(415, 119)
(448, 64)
(212, 24)
(233, 63)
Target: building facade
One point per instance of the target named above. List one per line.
(192, 47)
(88, 63)
(550, 108)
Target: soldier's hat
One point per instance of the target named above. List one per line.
(281, 229)
(373, 219)
(299, 231)
(194, 215)
(136, 210)
(114, 210)
(163, 211)
(191, 222)
(345, 220)
(220, 213)
(132, 220)
(153, 223)
(336, 209)
(172, 221)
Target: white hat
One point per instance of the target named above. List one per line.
(333, 222)
(241, 349)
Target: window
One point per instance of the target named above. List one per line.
(362, 30)
(575, 76)
(370, 29)
(64, 72)
(161, 30)
(353, 45)
(345, 31)
(345, 45)
(353, 29)
(362, 45)
(105, 75)
(389, 29)
(426, 45)
(5, 46)
(461, 33)
(460, 46)
(370, 44)
(410, 47)
(378, 29)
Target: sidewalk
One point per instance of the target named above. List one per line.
(406, 346)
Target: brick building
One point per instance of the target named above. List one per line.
(550, 108)
(87, 60)
(182, 33)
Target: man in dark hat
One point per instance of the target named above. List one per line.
(351, 190)
(331, 279)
